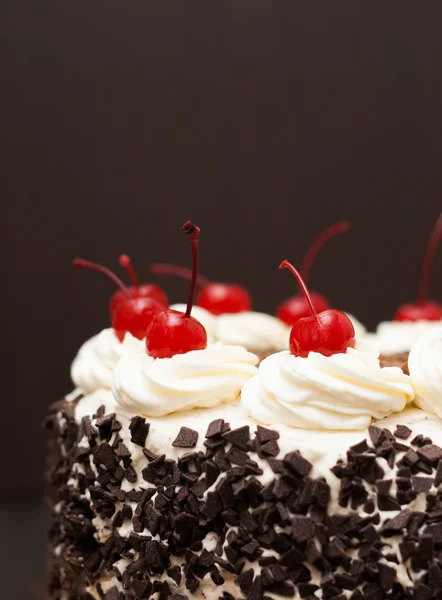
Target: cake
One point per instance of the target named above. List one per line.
(182, 469)
(215, 503)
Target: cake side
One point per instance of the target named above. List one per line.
(226, 512)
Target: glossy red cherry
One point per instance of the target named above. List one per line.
(424, 309)
(297, 306)
(217, 298)
(418, 311)
(172, 332)
(132, 315)
(220, 298)
(329, 332)
(137, 290)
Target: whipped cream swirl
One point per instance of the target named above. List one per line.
(256, 331)
(393, 337)
(197, 379)
(344, 391)
(425, 367)
(94, 365)
(204, 317)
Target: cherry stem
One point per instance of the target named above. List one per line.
(183, 272)
(286, 265)
(318, 243)
(427, 265)
(193, 233)
(126, 262)
(79, 264)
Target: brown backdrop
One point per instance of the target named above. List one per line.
(263, 121)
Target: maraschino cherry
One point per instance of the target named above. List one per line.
(172, 332)
(137, 290)
(131, 315)
(217, 298)
(328, 332)
(423, 308)
(297, 306)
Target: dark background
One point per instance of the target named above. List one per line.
(262, 121)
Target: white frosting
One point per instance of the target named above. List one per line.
(425, 366)
(360, 330)
(204, 317)
(256, 331)
(343, 391)
(94, 365)
(392, 337)
(198, 379)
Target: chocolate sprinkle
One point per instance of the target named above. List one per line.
(239, 437)
(430, 453)
(298, 464)
(186, 438)
(402, 432)
(215, 428)
(139, 430)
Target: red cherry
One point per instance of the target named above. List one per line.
(217, 298)
(417, 311)
(329, 332)
(297, 306)
(423, 308)
(137, 290)
(148, 290)
(131, 315)
(172, 332)
(134, 316)
(220, 298)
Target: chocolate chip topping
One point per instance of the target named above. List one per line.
(402, 432)
(186, 438)
(238, 437)
(287, 527)
(139, 430)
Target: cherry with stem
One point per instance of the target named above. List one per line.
(132, 314)
(423, 308)
(297, 307)
(328, 332)
(172, 332)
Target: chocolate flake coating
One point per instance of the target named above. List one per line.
(402, 432)
(186, 438)
(285, 526)
(139, 430)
